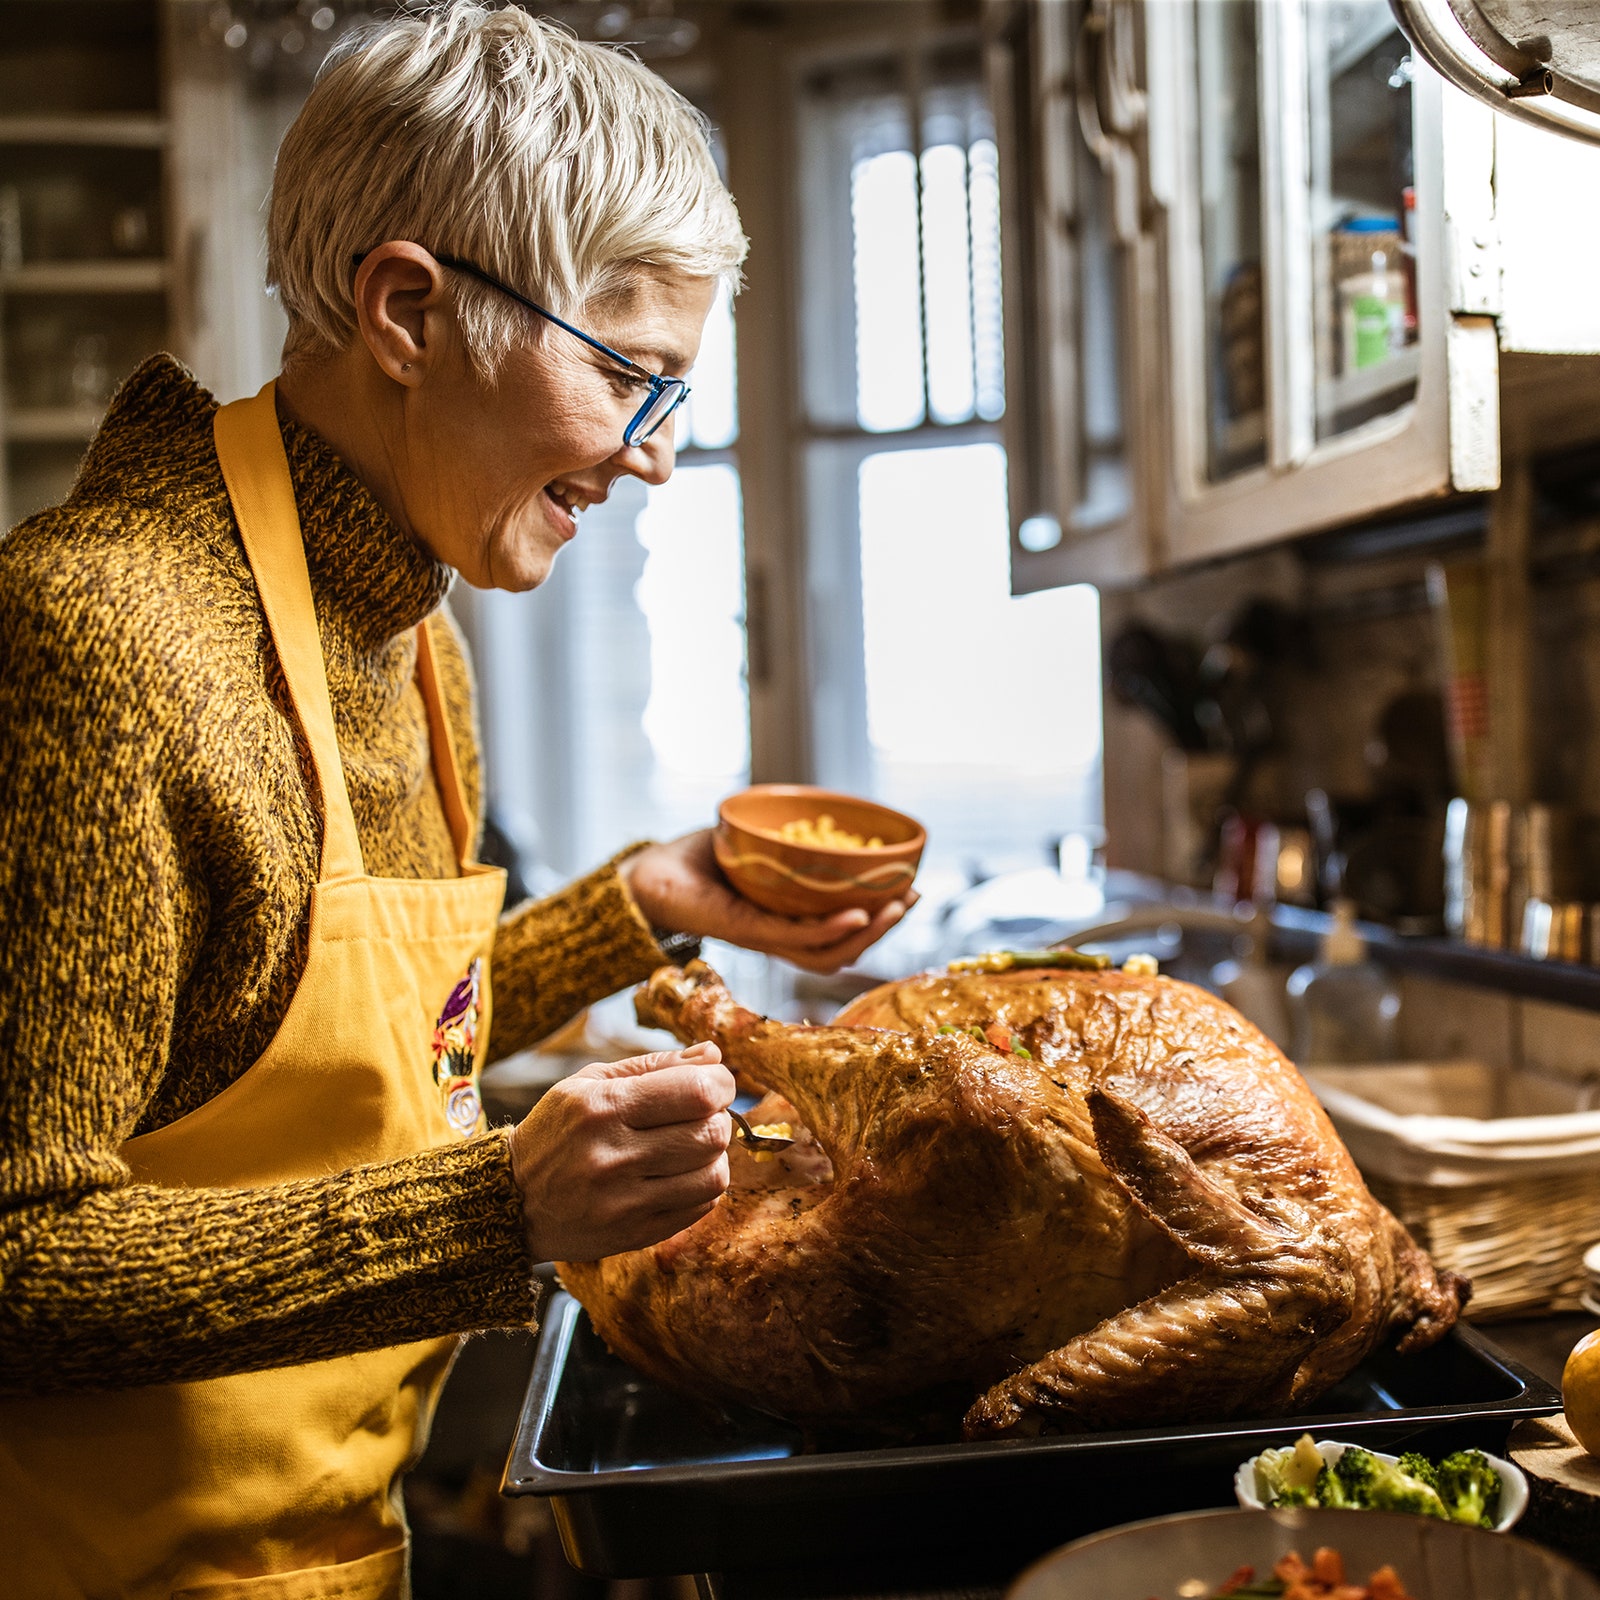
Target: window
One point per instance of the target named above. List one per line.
(932, 686)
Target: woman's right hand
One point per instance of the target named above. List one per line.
(623, 1154)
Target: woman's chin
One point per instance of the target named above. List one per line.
(515, 570)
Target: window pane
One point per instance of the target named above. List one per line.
(947, 267)
(692, 596)
(883, 205)
(709, 418)
(989, 336)
(983, 710)
(1104, 488)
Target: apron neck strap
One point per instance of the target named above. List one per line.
(256, 471)
(446, 768)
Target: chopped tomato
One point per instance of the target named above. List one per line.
(1385, 1584)
(998, 1035)
(1324, 1579)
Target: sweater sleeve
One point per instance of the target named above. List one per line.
(554, 956)
(105, 1283)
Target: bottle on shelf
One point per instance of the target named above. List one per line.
(1343, 1006)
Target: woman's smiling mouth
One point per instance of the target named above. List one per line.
(568, 504)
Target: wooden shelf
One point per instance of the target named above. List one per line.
(87, 277)
(52, 424)
(148, 132)
(1360, 388)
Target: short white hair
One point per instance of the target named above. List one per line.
(564, 168)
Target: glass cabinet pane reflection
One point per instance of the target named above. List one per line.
(1104, 489)
(1229, 150)
(1362, 212)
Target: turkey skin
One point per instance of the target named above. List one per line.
(1037, 1201)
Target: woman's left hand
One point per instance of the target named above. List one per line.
(678, 886)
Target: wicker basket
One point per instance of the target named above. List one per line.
(1496, 1174)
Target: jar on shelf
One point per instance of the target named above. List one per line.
(1372, 291)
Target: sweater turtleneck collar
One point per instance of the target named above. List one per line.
(372, 581)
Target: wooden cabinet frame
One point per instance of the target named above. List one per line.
(1059, 75)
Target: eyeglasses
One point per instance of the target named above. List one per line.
(666, 394)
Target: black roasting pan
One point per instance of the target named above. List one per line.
(643, 1482)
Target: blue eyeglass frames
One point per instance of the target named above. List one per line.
(666, 394)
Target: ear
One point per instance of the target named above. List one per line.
(402, 311)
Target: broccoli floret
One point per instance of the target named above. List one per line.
(1382, 1486)
(1330, 1493)
(1470, 1488)
(1419, 1467)
(1293, 1495)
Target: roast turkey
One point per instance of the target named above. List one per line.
(1038, 1201)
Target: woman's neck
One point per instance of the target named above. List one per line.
(350, 405)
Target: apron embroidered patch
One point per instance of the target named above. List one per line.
(455, 1052)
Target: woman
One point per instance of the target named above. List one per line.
(247, 1202)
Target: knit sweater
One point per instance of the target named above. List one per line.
(160, 835)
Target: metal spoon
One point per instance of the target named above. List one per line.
(751, 1140)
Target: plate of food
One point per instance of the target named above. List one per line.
(1302, 1555)
(1471, 1487)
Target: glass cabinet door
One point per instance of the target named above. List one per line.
(1362, 212)
(1227, 48)
(1097, 161)
(1070, 104)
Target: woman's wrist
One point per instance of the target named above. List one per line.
(679, 948)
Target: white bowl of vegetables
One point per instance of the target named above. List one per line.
(1468, 1486)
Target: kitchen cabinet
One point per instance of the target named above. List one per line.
(1313, 188)
(1265, 264)
(84, 272)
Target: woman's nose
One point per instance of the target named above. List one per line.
(652, 459)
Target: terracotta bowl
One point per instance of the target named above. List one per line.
(799, 880)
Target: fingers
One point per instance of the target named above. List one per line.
(635, 1066)
(682, 1191)
(685, 1094)
(671, 1151)
(817, 933)
(844, 951)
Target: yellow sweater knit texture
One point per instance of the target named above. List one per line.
(159, 840)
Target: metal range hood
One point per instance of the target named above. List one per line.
(1536, 60)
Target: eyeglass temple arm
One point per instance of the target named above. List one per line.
(477, 272)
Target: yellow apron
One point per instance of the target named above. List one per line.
(284, 1484)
